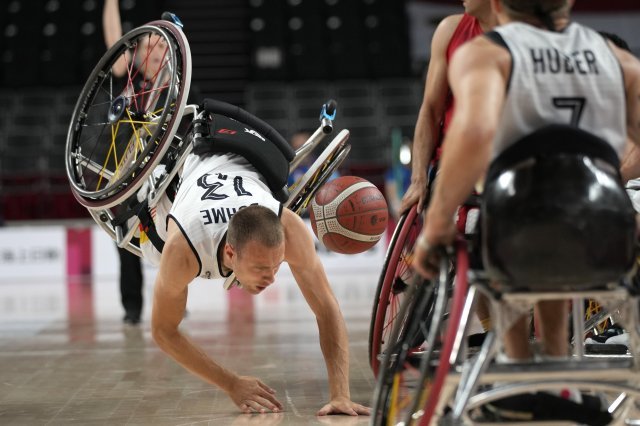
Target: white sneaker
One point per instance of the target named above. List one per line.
(620, 339)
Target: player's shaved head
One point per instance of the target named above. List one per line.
(255, 223)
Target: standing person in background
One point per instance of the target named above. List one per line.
(131, 281)
(131, 278)
(438, 103)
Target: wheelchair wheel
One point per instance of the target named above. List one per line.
(319, 172)
(393, 283)
(416, 339)
(390, 388)
(596, 319)
(434, 370)
(122, 127)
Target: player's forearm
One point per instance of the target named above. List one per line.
(193, 358)
(422, 151)
(335, 348)
(424, 142)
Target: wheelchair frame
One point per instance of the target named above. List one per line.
(159, 133)
(453, 383)
(445, 383)
(427, 374)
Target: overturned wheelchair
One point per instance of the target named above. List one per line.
(555, 224)
(129, 137)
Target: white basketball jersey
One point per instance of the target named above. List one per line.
(213, 189)
(568, 77)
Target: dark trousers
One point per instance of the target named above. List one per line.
(130, 282)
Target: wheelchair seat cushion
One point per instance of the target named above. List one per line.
(555, 215)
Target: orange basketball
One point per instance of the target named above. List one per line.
(348, 215)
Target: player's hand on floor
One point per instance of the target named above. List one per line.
(251, 395)
(344, 406)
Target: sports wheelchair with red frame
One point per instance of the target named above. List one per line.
(555, 224)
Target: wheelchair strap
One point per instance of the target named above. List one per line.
(141, 210)
(148, 226)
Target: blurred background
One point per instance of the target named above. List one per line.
(60, 308)
(279, 59)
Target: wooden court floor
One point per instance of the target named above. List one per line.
(66, 358)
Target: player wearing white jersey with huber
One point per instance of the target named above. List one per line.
(536, 69)
(224, 219)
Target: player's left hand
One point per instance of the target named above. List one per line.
(343, 405)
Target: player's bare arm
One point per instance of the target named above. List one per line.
(427, 129)
(178, 267)
(478, 74)
(631, 70)
(630, 165)
(309, 273)
(112, 31)
(630, 161)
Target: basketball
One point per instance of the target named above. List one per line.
(348, 215)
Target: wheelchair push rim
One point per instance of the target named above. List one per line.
(121, 127)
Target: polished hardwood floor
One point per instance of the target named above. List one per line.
(66, 358)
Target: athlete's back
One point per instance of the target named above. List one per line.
(569, 77)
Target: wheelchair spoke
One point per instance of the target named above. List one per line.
(92, 166)
(122, 126)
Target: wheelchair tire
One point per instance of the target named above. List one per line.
(395, 357)
(395, 274)
(434, 373)
(121, 128)
(415, 342)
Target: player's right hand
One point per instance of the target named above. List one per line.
(251, 395)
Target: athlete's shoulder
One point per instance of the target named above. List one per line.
(446, 28)
(178, 252)
(451, 21)
(482, 52)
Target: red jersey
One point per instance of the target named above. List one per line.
(467, 29)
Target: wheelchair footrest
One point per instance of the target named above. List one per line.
(609, 369)
(602, 349)
(542, 406)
